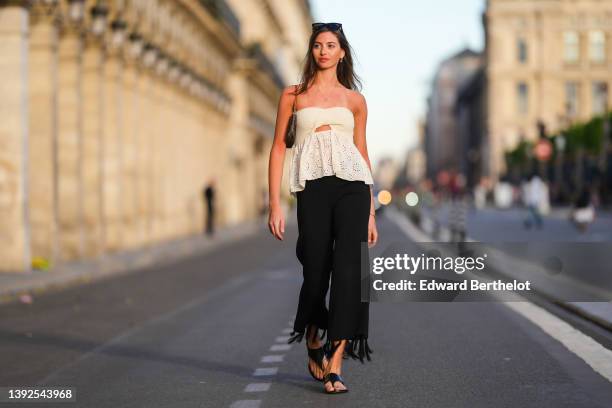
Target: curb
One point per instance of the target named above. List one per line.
(598, 312)
(90, 270)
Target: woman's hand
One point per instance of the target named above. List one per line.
(276, 222)
(372, 232)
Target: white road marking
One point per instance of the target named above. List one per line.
(280, 347)
(246, 404)
(265, 371)
(272, 358)
(257, 387)
(287, 330)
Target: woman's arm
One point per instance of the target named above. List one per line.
(359, 136)
(276, 162)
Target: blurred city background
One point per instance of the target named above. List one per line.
(117, 115)
(135, 137)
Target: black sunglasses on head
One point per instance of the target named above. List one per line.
(331, 26)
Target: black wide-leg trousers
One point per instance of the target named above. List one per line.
(333, 216)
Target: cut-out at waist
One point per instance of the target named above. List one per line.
(311, 135)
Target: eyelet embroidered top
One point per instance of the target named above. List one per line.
(328, 152)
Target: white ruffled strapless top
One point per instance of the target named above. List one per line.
(328, 152)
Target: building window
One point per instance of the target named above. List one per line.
(522, 50)
(571, 99)
(600, 97)
(522, 98)
(571, 46)
(597, 46)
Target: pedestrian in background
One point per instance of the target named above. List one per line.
(583, 212)
(209, 201)
(534, 199)
(331, 179)
(459, 208)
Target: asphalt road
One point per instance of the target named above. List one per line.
(202, 333)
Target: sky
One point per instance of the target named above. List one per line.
(398, 45)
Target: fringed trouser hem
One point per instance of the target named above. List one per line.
(356, 348)
(299, 335)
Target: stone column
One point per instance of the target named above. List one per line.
(248, 184)
(191, 174)
(70, 147)
(14, 228)
(93, 104)
(157, 138)
(203, 169)
(43, 134)
(142, 150)
(181, 136)
(264, 145)
(112, 127)
(174, 162)
(128, 144)
(164, 149)
(237, 147)
(168, 148)
(217, 126)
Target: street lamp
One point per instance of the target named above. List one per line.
(560, 143)
(76, 10)
(98, 18)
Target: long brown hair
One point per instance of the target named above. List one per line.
(344, 70)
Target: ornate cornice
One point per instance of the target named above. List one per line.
(231, 44)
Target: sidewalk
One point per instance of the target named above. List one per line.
(597, 312)
(559, 212)
(14, 285)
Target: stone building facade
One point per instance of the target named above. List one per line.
(115, 114)
(548, 60)
(442, 142)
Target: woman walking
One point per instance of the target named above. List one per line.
(330, 178)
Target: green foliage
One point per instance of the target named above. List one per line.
(588, 136)
(520, 154)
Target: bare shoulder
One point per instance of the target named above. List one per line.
(287, 95)
(357, 100)
(289, 90)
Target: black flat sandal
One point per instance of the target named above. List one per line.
(317, 356)
(333, 378)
